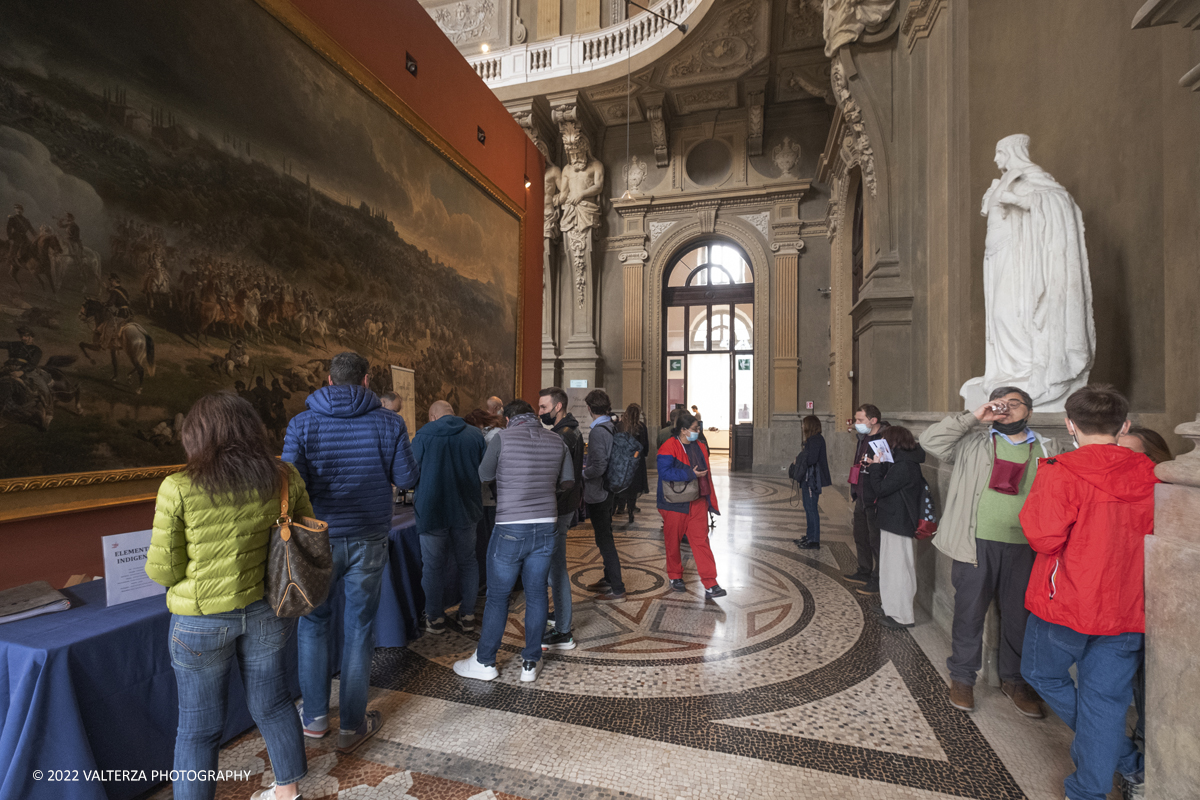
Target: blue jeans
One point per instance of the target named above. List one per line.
(812, 515)
(358, 563)
(560, 581)
(202, 650)
(436, 546)
(1095, 709)
(517, 550)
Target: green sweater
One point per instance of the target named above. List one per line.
(211, 553)
(997, 519)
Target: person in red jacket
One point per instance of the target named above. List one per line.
(1086, 517)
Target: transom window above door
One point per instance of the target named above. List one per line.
(711, 265)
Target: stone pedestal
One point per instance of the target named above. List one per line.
(1172, 648)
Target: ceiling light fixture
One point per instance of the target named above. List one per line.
(485, 47)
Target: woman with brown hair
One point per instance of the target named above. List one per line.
(811, 471)
(209, 548)
(894, 488)
(633, 424)
(1148, 441)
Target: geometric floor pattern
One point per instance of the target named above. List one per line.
(786, 688)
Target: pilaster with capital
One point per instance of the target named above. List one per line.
(786, 246)
(631, 248)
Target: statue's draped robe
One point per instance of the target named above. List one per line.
(1037, 292)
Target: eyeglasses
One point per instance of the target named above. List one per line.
(1016, 403)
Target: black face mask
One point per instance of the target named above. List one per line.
(1010, 428)
(547, 419)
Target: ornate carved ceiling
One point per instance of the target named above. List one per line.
(745, 54)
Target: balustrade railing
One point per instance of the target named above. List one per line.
(567, 55)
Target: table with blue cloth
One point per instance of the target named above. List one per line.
(91, 689)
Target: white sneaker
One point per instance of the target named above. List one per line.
(471, 668)
(269, 794)
(530, 670)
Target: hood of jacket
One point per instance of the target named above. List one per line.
(565, 423)
(448, 425)
(524, 419)
(343, 401)
(916, 456)
(1117, 471)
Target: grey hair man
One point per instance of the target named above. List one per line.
(448, 506)
(993, 455)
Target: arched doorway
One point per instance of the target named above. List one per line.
(708, 342)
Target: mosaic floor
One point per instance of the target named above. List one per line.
(786, 688)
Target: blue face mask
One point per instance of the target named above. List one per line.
(693, 435)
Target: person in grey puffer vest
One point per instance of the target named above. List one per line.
(530, 466)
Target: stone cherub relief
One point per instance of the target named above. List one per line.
(1037, 290)
(579, 188)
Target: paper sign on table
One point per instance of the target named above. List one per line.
(125, 576)
(881, 449)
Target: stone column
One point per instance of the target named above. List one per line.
(632, 359)
(1172, 608)
(785, 328)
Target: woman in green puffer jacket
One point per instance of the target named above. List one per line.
(209, 548)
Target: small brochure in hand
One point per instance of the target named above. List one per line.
(31, 600)
(881, 448)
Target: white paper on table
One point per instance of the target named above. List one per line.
(881, 448)
(125, 575)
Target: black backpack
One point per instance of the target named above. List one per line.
(622, 462)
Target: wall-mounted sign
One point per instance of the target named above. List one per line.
(809, 405)
(676, 365)
(743, 364)
(579, 384)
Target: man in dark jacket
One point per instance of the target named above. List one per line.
(530, 466)
(449, 505)
(599, 499)
(869, 428)
(552, 407)
(349, 451)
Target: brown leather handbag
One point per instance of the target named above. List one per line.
(299, 562)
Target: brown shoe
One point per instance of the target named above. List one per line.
(1024, 698)
(962, 696)
(610, 597)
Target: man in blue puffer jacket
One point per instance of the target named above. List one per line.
(349, 450)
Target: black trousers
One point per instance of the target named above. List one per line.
(1003, 573)
(601, 516)
(866, 539)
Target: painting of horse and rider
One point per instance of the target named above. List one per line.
(228, 220)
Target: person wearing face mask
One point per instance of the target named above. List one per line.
(1087, 517)
(683, 465)
(869, 427)
(552, 410)
(994, 457)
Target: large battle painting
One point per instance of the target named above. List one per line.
(197, 201)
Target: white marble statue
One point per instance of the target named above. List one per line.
(1037, 290)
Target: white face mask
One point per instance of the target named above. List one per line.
(862, 428)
